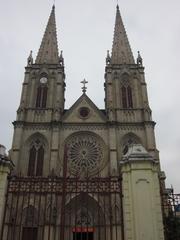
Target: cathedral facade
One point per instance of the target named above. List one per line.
(83, 173)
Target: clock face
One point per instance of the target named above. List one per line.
(43, 80)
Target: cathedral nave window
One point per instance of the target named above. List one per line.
(36, 159)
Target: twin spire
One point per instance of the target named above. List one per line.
(48, 52)
(121, 50)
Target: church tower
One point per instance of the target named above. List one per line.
(83, 173)
(126, 99)
(41, 107)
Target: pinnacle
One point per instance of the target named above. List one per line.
(121, 50)
(48, 51)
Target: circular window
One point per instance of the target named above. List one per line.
(85, 153)
(84, 112)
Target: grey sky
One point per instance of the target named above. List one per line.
(85, 32)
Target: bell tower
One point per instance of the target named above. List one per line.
(41, 105)
(126, 100)
(125, 86)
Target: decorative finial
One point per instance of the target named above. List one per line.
(139, 59)
(117, 4)
(61, 59)
(30, 59)
(108, 58)
(84, 88)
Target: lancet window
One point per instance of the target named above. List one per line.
(126, 92)
(127, 101)
(36, 159)
(42, 90)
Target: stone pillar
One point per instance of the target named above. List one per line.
(113, 151)
(5, 168)
(141, 196)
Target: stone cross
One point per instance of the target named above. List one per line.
(84, 88)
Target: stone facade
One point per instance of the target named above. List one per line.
(141, 192)
(87, 144)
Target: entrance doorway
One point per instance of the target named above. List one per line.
(29, 233)
(83, 235)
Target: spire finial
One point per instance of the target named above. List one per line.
(117, 4)
(108, 58)
(139, 59)
(84, 88)
(61, 59)
(30, 59)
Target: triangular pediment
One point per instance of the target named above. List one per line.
(84, 111)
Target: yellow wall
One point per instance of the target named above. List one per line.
(142, 202)
(4, 171)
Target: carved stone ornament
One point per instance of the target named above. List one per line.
(85, 153)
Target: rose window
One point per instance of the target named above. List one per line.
(85, 153)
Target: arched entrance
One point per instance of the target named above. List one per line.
(84, 218)
(63, 209)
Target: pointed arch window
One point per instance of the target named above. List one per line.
(127, 100)
(129, 94)
(41, 98)
(124, 97)
(36, 159)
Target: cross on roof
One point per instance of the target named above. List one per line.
(84, 88)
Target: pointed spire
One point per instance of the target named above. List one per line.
(121, 50)
(48, 52)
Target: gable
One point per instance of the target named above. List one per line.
(84, 111)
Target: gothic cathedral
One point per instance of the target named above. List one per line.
(83, 173)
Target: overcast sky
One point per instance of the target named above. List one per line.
(85, 32)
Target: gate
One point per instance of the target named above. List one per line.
(57, 208)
